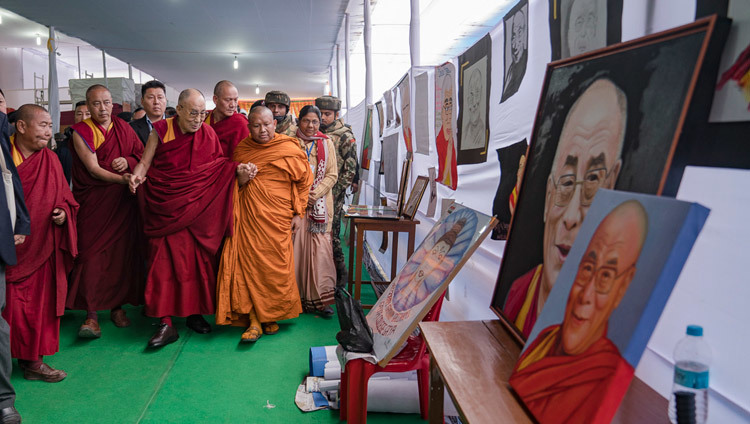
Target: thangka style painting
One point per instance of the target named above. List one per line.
(605, 304)
(424, 278)
(445, 124)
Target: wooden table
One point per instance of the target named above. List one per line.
(356, 242)
(474, 360)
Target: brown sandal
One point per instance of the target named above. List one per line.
(270, 328)
(251, 335)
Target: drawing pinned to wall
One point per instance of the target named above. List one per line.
(421, 113)
(390, 163)
(381, 118)
(580, 26)
(390, 117)
(732, 96)
(432, 205)
(474, 95)
(597, 126)
(405, 94)
(424, 277)
(604, 306)
(376, 186)
(516, 27)
(445, 124)
(512, 163)
(364, 162)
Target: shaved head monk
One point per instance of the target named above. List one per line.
(108, 272)
(256, 283)
(230, 126)
(186, 203)
(38, 284)
(569, 369)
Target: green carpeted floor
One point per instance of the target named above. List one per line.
(201, 378)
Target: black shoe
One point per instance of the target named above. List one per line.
(165, 335)
(9, 415)
(198, 324)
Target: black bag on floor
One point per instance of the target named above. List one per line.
(355, 334)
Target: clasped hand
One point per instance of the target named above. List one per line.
(58, 216)
(120, 164)
(246, 172)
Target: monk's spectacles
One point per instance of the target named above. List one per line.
(195, 114)
(604, 276)
(566, 186)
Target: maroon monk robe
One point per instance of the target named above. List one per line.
(186, 204)
(109, 269)
(231, 131)
(37, 285)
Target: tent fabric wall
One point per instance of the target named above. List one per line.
(511, 121)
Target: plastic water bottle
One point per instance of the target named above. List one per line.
(689, 401)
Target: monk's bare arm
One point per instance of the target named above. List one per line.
(92, 164)
(139, 173)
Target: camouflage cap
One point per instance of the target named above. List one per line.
(278, 97)
(328, 103)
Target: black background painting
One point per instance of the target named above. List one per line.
(655, 79)
(516, 27)
(469, 62)
(559, 11)
(508, 157)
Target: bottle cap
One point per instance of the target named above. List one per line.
(695, 330)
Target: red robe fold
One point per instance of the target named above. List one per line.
(517, 296)
(231, 131)
(37, 285)
(559, 388)
(109, 269)
(186, 204)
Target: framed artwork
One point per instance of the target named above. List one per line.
(415, 197)
(445, 124)
(403, 183)
(516, 28)
(424, 277)
(587, 342)
(606, 119)
(580, 26)
(474, 97)
(512, 161)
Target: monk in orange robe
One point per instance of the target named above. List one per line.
(230, 126)
(256, 282)
(38, 284)
(571, 372)
(109, 269)
(186, 203)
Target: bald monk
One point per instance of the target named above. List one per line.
(571, 370)
(256, 284)
(38, 284)
(109, 269)
(186, 203)
(230, 126)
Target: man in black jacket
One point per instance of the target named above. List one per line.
(154, 102)
(10, 236)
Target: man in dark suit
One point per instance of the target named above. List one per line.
(9, 237)
(154, 102)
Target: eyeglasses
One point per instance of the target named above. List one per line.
(604, 276)
(196, 114)
(566, 185)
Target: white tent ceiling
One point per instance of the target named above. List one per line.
(280, 45)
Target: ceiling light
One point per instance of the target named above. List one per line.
(1, 19)
(257, 88)
(38, 40)
(327, 89)
(236, 63)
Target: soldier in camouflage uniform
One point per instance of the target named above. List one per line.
(279, 103)
(346, 156)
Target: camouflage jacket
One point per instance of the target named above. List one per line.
(346, 154)
(287, 127)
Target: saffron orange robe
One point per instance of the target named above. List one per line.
(37, 286)
(108, 271)
(257, 263)
(230, 130)
(559, 388)
(186, 204)
(522, 300)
